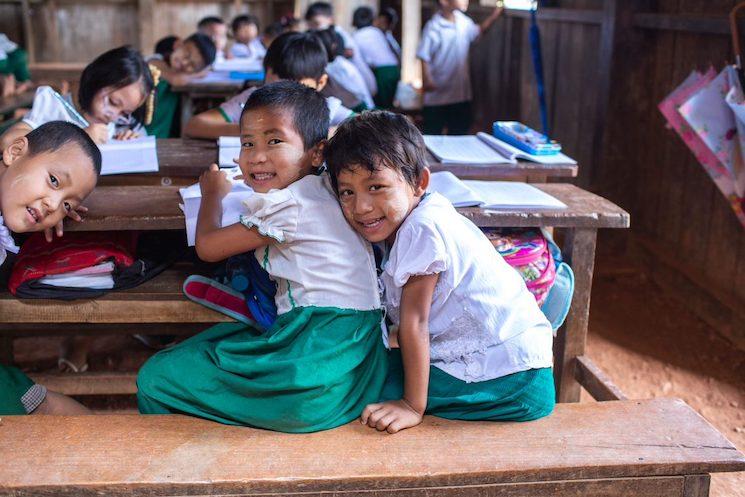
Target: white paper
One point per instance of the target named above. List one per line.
(449, 186)
(238, 64)
(463, 149)
(512, 195)
(515, 153)
(229, 149)
(129, 156)
(103, 268)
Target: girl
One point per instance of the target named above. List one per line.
(473, 343)
(112, 95)
(378, 53)
(322, 360)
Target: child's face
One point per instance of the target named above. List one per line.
(272, 152)
(110, 104)
(461, 5)
(376, 203)
(246, 33)
(320, 22)
(218, 33)
(37, 192)
(187, 58)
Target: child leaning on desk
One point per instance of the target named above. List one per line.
(473, 343)
(113, 97)
(323, 359)
(44, 176)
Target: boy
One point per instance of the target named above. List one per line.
(292, 56)
(44, 176)
(443, 50)
(378, 54)
(217, 30)
(247, 43)
(386, 22)
(188, 61)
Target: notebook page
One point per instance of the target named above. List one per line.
(466, 149)
(510, 195)
(514, 152)
(229, 149)
(129, 156)
(449, 186)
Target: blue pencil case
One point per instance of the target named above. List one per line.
(247, 76)
(525, 138)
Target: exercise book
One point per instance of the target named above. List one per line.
(129, 156)
(229, 148)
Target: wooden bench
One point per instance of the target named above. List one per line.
(659, 448)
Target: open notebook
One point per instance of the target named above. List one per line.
(229, 149)
(495, 195)
(129, 156)
(484, 149)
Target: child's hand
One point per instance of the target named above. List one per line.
(98, 132)
(126, 135)
(214, 182)
(392, 416)
(74, 214)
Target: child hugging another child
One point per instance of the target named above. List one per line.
(323, 359)
(473, 343)
(44, 177)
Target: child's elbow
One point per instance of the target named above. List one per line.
(206, 252)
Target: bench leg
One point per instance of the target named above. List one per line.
(696, 486)
(579, 251)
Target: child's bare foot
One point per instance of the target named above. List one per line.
(8, 85)
(58, 404)
(73, 357)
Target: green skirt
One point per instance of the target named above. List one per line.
(164, 124)
(16, 63)
(387, 78)
(522, 396)
(316, 368)
(13, 386)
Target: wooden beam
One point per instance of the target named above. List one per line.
(146, 17)
(595, 381)
(581, 16)
(28, 31)
(694, 24)
(109, 383)
(411, 27)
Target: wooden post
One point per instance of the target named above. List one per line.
(28, 31)
(411, 27)
(146, 16)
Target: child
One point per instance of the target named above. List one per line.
(14, 74)
(188, 61)
(113, 92)
(443, 50)
(322, 360)
(164, 48)
(44, 176)
(378, 54)
(294, 56)
(247, 43)
(217, 31)
(386, 22)
(345, 81)
(473, 343)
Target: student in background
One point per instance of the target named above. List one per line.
(345, 81)
(299, 57)
(271, 32)
(217, 30)
(443, 50)
(320, 16)
(14, 75)
(164, 48)
(377, 53)
(189, 60)
(246, 41)
(386, 22)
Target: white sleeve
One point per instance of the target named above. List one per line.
(426, 44)
(419, 249)
(232, 108)
(474, 30)
(273, 214)
(46, 107)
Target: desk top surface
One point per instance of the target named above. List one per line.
(13, 102)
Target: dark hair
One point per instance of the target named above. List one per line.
(391, 15)
(288, 22)
(319, 9)
(309, 111)
(374, 140)
(206, 21)
(164, 47)
(244, 19)
(205, 45)
(53, 135)
(332, 42)
(296, 56)
(274, 29)
(116, 68)
(362, 17)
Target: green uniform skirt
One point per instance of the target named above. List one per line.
(16, 64)
(522, 396)
(316, 368)
(13, 386)
(387, 78)
(164, 116)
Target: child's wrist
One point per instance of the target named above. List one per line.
(417, 407)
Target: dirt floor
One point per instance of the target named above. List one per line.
(647, 341)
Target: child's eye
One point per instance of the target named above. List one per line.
(247, 145)
(345, 193)
(274, 141)
(53, 179)
(374, 188)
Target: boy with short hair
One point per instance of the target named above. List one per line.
(247, 43)
(443, 50)
(217, 30)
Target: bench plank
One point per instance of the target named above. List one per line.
(170, 455)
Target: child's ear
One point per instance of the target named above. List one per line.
(321, 83)
(17, 149)
(421, 187)
(317, 154)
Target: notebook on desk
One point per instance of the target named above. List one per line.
(229, 148)
(129, 156)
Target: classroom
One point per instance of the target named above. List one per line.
(372, 248)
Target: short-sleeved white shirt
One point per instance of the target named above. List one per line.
(483, 322)
(319, 259)
(367, 75)
(374, 47)
(7, 244)
(444, 47)
(231, 109)
(346, 84)
(254, 50)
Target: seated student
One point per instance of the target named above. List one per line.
(345, 82)
(217, 30)
(246, 42)
(14, 75)
(164, 48)
(473, 343)
(271, 32)
(188, 61)
(378, 54)
(323, 359)
(113, 95)
(294, 56)
(386, 22)
(44, 176)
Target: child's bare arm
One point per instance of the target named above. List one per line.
(427, 83)
(413, 338)
(211, 124)
(489, 21)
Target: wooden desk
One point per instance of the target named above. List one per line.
(13, 102)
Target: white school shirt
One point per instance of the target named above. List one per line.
(6, 46)
(374, 47)
(367, 75)
(7, 244)
(319, 259)
(252, 50)
(346, 84)
(444, 47)
(393, 43)
(231, 109)
(483, 323)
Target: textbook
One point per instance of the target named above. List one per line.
(484, 149)
(129, 156)
(229, 149)
(494, 195)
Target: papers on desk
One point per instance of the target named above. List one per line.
(484, 149)
(129, 156)
(238, 64)
(229, 149)
(495, 195)
(232, 204)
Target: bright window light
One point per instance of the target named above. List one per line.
(511, 4)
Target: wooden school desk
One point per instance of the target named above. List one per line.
(9, 104)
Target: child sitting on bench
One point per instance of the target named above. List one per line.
(473, 343)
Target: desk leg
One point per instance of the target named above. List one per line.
(187, 110)
(579, 251)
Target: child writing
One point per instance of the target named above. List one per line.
(292, 56)
(44, 177)
(443, 50)
(247, 43)
(473, 343)
(377, 53)
(113, 93)
(322, 360)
